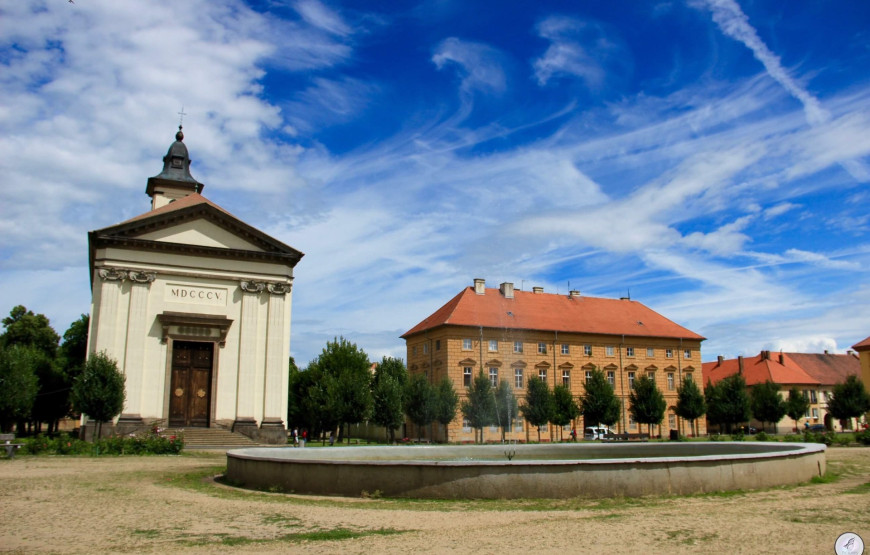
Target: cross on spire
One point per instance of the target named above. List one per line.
(181, 115)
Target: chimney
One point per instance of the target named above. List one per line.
(850, 352)
(480, 286)
(826, 351)
(574, 294)
(765, 355)
(781, 358)
(740, 364)
(507, 289)
(720, 359)
(537, 290)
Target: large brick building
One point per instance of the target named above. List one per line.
(813, 374)
(514, 335)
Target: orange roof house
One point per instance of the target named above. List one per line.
(811, 373)
(513, 335)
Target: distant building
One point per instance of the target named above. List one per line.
(194, 305)
(863, 350)
(514, 335)
(813, 374)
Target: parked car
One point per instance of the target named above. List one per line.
(595, 432)
(817, 428)
(750, 430)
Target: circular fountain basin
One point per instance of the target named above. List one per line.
(527, 471)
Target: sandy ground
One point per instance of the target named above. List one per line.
(161, 504)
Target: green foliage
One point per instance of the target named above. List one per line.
(766, 404)
(479, 404)
(143, 444)
(647, 402)
(537, 407)
(18, 383)
(23, 327)
(347, 368)
(690, 402)
(99, 390)
(848, 400)
(420, 402)
(863, 437)
(815, 437)
(311, 404)
(74, 349)
(599, 403)
(565, 408)
(506, 406)
(727, 402)
(388, 391)
(762, 436)
(447, 401)
(796, 405)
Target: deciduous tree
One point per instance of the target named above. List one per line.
(388, 390)
(690, 403)
(18, 384)
(447, 402)
(796, 405)
(421, 403)
(599, 404)
(348, 367)
(848, 400)
(506, 406)
(647, 403)
(565, 408)
(99, 390)
(766, 403)
(537, 407)
(727, 402)
(479, 404)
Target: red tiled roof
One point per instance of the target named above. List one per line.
(548, 311)
(190, 200)
(862, 345)
(791, 369)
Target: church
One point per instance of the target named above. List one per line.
(194, 306)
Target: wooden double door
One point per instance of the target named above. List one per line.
(190, 393)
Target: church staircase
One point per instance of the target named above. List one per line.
(211, 438)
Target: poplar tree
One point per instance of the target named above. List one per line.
(647, 403)
(599, 404)
(690, 403)
(479, 404)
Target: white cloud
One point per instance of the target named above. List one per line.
(478, 63)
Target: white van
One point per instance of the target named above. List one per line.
(595, 432)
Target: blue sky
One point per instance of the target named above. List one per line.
(710, 157)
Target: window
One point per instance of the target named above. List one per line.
(466, 376)
(611, 379)
(669, 353)
(518, 378)
(587, 350)
(689, 376)
(629, 351)
(466, 344)
(437, 344)
(493, 345)
(632, 423)
(687, 353)
(518, 424)
(518, 346)
(566, 350)
(650, 352)
(816, 414)
(566, 378)
(670, 381)
(542, 348)
(651, 376)
(631, 380)
(542, 373)
(493, 376)
(588, 376)
(543, 427)
(466, 425)
(425, 348)
(813, 398)
(807, 414)
(608, 350)
(672, 421)
(493, 428)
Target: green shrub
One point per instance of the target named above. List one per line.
(716, 437)
(738, 436)
(794, 438)
(863, 437)
(144, 444)
(762, 436)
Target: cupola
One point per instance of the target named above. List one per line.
(175, 181)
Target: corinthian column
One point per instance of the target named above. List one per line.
(136, 331)
(245, 421)
(273, 429)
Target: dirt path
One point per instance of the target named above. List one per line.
(157, 504)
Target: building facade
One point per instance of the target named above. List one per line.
(514, 335)
(814, 375)
(194, 306)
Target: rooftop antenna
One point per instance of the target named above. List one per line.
(629, 293)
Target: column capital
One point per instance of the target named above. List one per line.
(252, 286)
(280, 288)
(142, 277)
(112, 274)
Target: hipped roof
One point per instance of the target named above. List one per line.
(795, 369)
(551, 312)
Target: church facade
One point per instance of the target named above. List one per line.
(194, 306)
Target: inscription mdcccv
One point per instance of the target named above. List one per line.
(195, 295)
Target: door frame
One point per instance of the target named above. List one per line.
(215, 366)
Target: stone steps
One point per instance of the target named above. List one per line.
(211, 438)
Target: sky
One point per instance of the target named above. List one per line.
(709, 158)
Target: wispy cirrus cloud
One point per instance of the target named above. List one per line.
(477, 63)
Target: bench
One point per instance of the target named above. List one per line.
(6, 440)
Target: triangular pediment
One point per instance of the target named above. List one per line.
(194, 223)
(202, 233)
